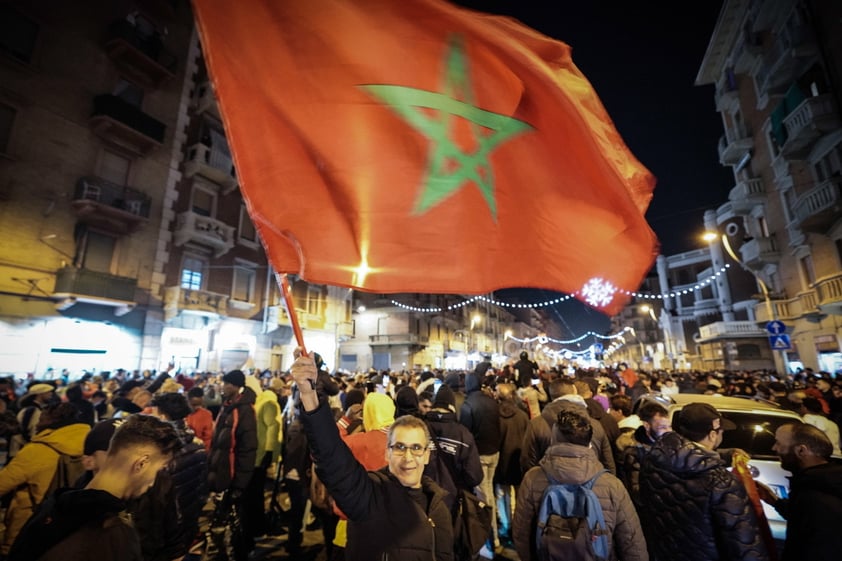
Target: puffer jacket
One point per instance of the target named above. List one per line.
(813, 511)
(573, 464)
(696, 507)
(384, 521)
(633, 446)
(234, 444)
(539, 434)
(30, 473)
(480, 415)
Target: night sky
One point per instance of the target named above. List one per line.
(642, 59)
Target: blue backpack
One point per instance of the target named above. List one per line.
(571, 525)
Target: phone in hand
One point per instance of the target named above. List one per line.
(536, 381)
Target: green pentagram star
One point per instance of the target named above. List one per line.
(448, 166)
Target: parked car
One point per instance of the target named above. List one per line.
(757, 421)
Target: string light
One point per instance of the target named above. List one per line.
(561, 299)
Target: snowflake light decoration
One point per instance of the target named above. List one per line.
(598, 292)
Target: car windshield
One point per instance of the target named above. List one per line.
(755, 433)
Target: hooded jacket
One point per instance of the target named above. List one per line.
(513, 424)
(573, 464)
(384, 521)
(234, 444)
(269, 433)
(79, 525)
(480, 415)
(30, 473)
(454, 462)
(633, 447)
(539, 434)
(696, 507)
(813, 511)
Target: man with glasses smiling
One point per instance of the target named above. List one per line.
(394, 513)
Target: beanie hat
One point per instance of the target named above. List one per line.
(235, 378)
(445, 399)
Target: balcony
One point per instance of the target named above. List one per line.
(782, 62)
(829, 291)
(746, 195)
(198, 302)
(760, 251)
(732, 150)
(204, 101)
(727, 92)
(108, 206)
(724, 213)
(780, 167)
(142, 59)
(393, 339)
(705, 307)
(812, 119)
(83, 285)
(804, 305)
(127, 126)
(818, 209)
(204, 230)
(727, 329)
(796, 236)
(212, 164)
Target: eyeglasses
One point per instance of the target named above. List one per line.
(401, 449)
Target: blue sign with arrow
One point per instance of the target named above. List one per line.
(780, 342)
(776, 327)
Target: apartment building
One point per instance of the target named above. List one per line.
(777, 70)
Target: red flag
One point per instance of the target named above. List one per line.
(415, 146)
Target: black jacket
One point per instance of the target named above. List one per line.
(235, 435)
(526, 369)
(384, 521)
(813, 511)
(78, 525)
(513, 424)
(456, 452)
(481, 415)
(698, 509)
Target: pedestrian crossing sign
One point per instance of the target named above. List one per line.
(780, 342)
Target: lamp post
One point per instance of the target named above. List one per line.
(712, 237)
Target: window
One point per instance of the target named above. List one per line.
(242, 288)
(313, 297)
(96, 251)
(248, 235)
(192, 273)
(808, 274)
(204, 202)
(114, 168)
(7, 119)
(18, 34)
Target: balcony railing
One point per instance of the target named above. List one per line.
(819, 208)
(115, 208)
(747, 194)
(140, 57)
(201, 302)
(204, 100)
(124, 124)
(732, 150)
(730, 329)
(87, 285)
(398, 339)
(780, 62)
(830, 294)
(813, 118)
(212, 163)
(760, 251)
(204, 230)
(805, 304)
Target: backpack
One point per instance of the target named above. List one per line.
(68, 470)
(571, 525)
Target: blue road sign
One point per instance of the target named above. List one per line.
(597, 347)
(776, 327)
(780, 342)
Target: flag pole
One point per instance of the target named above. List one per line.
(293, 318)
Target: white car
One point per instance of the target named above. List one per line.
(756, 421)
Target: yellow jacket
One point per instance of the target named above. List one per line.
(30, 473)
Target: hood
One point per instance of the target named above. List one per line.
(641, 436)
(438, 416)
(378, 411)
(253, 382)
(570, 463)
(472, 383)
(550, 412)
(248, 397)
(824, 478)
(88, 503)
(67, 440)
(508, 408)
(680, 456)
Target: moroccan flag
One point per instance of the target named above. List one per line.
(414, 146)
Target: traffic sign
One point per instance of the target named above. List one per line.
(780, 342)
(597, 347)
(776, 327)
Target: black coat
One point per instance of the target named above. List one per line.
(384, 521)
(480, 414)
(235, 435)
(513, 424)
(813, 511)
(698, 509)
(456, 452)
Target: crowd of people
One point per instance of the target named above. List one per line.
(384, 460)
